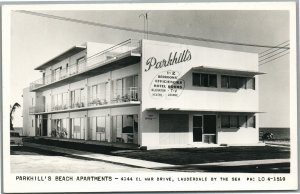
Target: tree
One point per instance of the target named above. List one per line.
(12, 110)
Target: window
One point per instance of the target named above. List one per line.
(100, 124)
(78, 128)
(251, 121)
(77, 98)
(251, 83)
(125, 89)
(243, 121)
(56, 75)
(237, 82)
(233, 121)
(80, 64)
(97, 94)
(204, 80)
(125, 128)
(224, 81)
(97, 128)
(127, 124)
(171, 123)
(225, 121)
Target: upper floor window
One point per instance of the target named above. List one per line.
(77, 98)
(97, 94)
(237, 82)
(236, 121)
(205, 80)
(56, 74)
(125, 89)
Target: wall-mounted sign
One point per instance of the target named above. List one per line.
(174, 58)
(166, 85)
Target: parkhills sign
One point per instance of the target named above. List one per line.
(175, 58)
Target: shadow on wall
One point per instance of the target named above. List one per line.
(188, 85)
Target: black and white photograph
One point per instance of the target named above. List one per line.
(149, 97)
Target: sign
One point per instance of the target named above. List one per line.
(166, 85)
(175, 58)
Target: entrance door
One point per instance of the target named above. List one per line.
(197, 128)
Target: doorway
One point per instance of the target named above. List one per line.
(204, 128)
(44, 128)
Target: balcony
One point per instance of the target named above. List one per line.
(36, 109)
(108, 56)
(132, 97)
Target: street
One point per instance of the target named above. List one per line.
(30, 160)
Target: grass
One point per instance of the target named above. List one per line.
(182, 156)
(187, 156)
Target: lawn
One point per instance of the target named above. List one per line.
(187, 156)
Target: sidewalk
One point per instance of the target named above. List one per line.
(148, 164)
(101, 157)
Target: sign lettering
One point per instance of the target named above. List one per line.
(174, 58)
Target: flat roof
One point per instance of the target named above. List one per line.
(227, 71)
(203, 110)
(72, 51)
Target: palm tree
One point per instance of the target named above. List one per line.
(12, 110)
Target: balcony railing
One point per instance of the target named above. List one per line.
(36, 109)
(129, 46)
(132, 95)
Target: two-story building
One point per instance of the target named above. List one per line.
(149, 93)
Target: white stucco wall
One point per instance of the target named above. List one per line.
(194, 97)
(28, 129)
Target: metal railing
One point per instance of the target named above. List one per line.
(132, 95)
(66, 104)
(36, 109)
(112, 53)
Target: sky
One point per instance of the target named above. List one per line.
(36, 39)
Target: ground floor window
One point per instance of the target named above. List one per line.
(170, 123)
(98, 128)
(78, 128)
(236, 121)
(125, 128)
(59, 128)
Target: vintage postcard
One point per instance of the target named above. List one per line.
(149, 97)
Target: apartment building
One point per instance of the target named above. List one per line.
(147, 93)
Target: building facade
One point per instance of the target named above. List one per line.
(148, 93)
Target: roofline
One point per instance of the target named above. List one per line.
(53, 60)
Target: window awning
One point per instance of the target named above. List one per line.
(208, 69)
(72, 51)
(202, 110)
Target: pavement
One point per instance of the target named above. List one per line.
(24, 159)
(137, 163)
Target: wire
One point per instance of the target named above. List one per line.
(149, 32)
(272, 56)
(274, 47)
(273, 51)
(274, 59)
